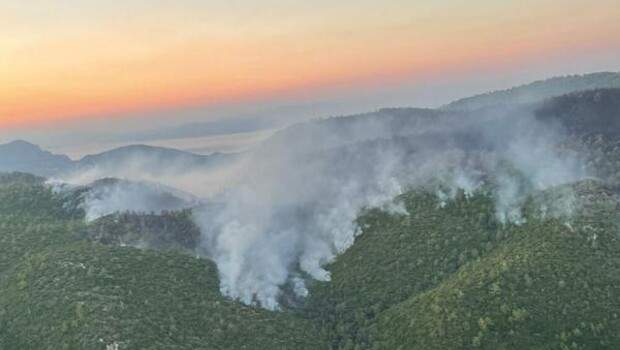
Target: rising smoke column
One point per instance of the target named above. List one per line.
(293, 208)
(294, 211)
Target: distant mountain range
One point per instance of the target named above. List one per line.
(152, 160)
(26, 157)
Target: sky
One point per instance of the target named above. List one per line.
(78, 71)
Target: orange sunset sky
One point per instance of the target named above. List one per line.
(67, 59)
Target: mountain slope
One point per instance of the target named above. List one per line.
(586, 112)
(537, 91)
(592, 121)
(455, 278)
(89, 296)
(547, 286)
(58, 290)
(397, 256)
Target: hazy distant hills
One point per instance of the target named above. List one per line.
(23, 156)
(135, 152)
(26, 157)
(548, 99)
(149, 159)
(537, 91)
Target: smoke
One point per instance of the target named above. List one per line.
(121, 196)
(295, 207)
(107, 196)
(278, 214)
(174, 169)
(293, 212)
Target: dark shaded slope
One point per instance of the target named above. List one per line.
(585, 113)
(170, 230)
(592, 122)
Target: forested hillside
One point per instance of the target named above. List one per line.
(448, 277)
(61, 290)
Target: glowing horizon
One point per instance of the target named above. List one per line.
(76, 58)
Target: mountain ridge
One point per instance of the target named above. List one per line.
(537, 91)
(20, 155)
(24, 156)
(48, 164)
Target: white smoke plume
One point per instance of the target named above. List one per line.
(174, 171)
(295, 206)
(281, 212)
(122, 196)
(294, 210)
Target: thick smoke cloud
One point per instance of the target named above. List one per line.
(295, 206)
(293, 211)
(280, 213)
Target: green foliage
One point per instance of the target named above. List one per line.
(86, 296)
(24, 195)
(168, 230)
(58, 291)
(399, 256)
(545, 287)
(453, 278)
(443, 277)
